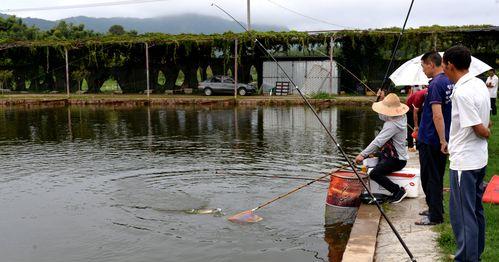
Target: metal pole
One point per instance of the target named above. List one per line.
(331, 50)
(67, 71)
(235, 68)
(249, 16)
(147, 69)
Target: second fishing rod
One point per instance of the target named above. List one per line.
(343, 153)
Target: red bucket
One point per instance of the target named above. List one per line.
(345, 189)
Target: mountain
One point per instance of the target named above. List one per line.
(186, 23)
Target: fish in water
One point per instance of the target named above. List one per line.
(214, 211)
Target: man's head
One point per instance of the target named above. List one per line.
(456, 62)
(431, 63)
(492, 72)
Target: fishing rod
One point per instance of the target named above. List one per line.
(274, 176)
(395, 50)
(350, 164)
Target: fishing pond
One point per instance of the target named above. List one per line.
(110, 183)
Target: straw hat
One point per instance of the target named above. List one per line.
(390, 106)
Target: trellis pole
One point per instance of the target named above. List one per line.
(331, 50)
(235, 67)
(67, 71)
(147, 70)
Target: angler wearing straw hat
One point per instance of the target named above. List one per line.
(391, 140)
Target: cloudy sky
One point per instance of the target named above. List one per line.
(315, 14)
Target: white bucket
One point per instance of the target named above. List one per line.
(408, 178)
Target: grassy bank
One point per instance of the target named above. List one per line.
(162, 99)
(446, 239)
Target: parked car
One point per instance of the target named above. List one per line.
(224, 85)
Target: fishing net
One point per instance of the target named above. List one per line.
(245, 217)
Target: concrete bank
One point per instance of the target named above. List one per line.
(163, 100)
(373, 240)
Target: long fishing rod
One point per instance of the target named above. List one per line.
(395, 50)
(350, 164)
(273, 176)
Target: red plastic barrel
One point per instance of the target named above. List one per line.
(345, 189)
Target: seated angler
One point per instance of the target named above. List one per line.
(390, 142)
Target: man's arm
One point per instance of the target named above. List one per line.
(481, 131)
(438, 120)
(415, 118)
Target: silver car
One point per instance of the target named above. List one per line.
(224, 85)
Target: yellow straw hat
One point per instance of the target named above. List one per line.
(390, 106)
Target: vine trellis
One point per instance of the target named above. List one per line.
(38, 65)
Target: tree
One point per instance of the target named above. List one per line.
(79, 75)
(5, 77)
(64, 30)
(116, 30)
(13, 29)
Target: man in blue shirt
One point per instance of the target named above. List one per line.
(433, 135)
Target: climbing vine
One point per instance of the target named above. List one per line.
(38, 63)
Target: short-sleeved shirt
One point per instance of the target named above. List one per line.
(494, 81)
(439, 92)
(470, 107)
(416, 100)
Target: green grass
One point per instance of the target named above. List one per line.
(321, 95)
(446, 239)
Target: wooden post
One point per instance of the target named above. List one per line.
(235, 68)
(67, 71)
(147, 70)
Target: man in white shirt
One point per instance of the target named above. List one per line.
(492, 82)
(469, 132)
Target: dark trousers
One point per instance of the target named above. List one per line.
(466, 213)
(432, 162)
(493, 108)
(385, 167)
(410, 122)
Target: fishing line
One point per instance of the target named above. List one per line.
(348, 71)
(350, 164)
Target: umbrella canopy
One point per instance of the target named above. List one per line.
(411, 72)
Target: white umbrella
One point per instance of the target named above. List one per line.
(411, 72)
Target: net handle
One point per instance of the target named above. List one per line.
(298, 188)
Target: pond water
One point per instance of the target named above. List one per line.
(113, 183)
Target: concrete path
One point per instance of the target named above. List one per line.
(421, 240)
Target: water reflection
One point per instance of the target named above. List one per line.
(337, 237)
(111, 183)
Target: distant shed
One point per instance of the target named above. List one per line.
(310, 76)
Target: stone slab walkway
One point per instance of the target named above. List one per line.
(372, 239)
(421, 240)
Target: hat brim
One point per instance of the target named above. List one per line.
(380, 108)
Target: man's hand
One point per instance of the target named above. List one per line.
(443, 147)
(380, 94)
(359, 159)
(481, 131)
